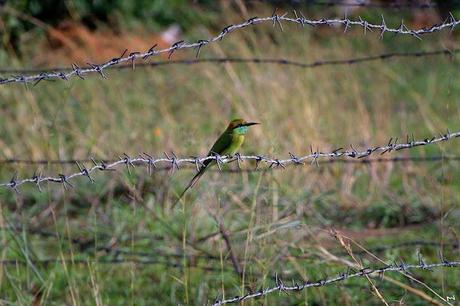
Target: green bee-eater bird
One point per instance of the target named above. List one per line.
(227, 144)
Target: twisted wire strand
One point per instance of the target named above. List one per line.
(420, 159)
(175, 162)
(276, 20)
(281, 287)
(277, 61)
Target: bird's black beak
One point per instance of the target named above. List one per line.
(250, 123)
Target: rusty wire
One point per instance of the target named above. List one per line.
(174, 162)
(275, 19)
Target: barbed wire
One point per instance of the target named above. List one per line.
(176, 162)
(350, 273)
(276, 20)
(434, 158)
(276, 61)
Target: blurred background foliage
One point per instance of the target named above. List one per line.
(116, 14)
(129, 15)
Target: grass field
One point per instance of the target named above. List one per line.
(119, 241)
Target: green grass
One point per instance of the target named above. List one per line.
(279, 221)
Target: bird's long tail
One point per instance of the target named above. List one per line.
(192, 183)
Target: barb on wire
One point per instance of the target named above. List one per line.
(275, 19)
(282, 287)
(276, 61)
(434, 158)
(175, 162)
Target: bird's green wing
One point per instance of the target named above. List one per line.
(221, 144)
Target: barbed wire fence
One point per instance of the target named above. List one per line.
(175, 162)
(398, 159)
(157, 257)
(275, 19)
(349, 274)
(280, 285)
